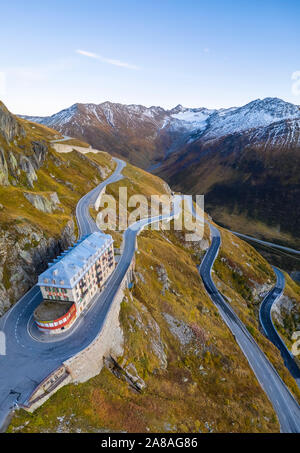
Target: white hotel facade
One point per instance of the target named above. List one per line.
(72, 280)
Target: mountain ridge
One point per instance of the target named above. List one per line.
(255, 147)
(158, 129)
(288, 110)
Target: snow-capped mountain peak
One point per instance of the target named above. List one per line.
(99, 124)
(60, 118)
(255, 114)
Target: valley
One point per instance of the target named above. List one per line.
(244, 159)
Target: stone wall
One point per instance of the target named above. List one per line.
(89, 362)
(48, 387)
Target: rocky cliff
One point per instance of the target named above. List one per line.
(24, 253)
(10, 127)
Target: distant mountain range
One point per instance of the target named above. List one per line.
(245, 159)
(132, 129)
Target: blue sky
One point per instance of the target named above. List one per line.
(216, 53)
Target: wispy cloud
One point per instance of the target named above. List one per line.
(119, 63)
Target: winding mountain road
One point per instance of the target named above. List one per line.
(285, 405)
(271, 333)
(266, 243)
(86, 224)
(28, 361)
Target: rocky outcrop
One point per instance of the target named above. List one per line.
(179, 329)
(126, 373)
(42, 202)
(12, 161)
(103, 171)
(142, 320)
(9, 165)
(24, 254)
(191, 337)
(40, 150)
(3, 169)
(27, 167)
(259, 291)
(9, 126)
(285, 313)
(13, 165)
(33, 161)
(163, 278)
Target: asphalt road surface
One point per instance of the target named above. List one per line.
(269, 328)
(285, 405)
(268, 244)
(28, 361)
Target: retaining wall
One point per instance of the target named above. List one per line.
(88, 362)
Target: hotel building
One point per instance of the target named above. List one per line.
(72, 280)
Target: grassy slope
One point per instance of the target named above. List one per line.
(239, 272)
(240, 184)
(240, 223)
(75, 142)
(52, 177)
(224, 396)
(207, 384)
